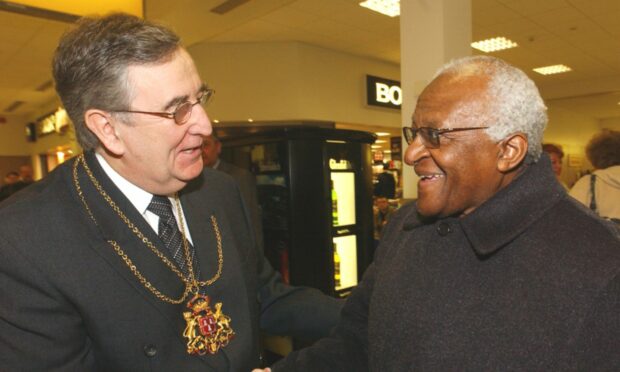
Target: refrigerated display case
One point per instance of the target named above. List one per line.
(315, 195)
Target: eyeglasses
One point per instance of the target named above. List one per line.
(183, 111)
(430, 136)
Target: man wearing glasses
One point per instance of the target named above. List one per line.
(494, 267)
(139, 260)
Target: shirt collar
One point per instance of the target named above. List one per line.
(138, 197)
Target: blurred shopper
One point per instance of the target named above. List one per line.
(494, 267)
(600, 190)
(382, 211)
(386, 185)
(10, 185)
(25, 174)
(211, 150)
(556, 155)
(141, 260)
(14, 181)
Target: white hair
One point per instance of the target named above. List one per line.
(515, 104)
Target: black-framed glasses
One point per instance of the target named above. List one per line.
(430, 136)
(183, 111)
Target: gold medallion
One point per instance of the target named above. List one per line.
(206, 331)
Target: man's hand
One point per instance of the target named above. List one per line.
(262, 370)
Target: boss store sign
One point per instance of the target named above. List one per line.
(383, 92)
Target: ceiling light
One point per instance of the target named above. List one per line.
(390, 8)
(250, 120)
(380, 141)
(376, 146)
(494, 44)
(216, 121)
(555, 69)
(382, 134)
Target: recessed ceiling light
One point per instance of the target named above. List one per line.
(380, 141)
(216, 121)
(382, 134)
(494, 44)
(376, 146)
(250, 120)
(390, 8)
(555, 69)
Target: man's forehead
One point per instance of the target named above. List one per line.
(451, 97)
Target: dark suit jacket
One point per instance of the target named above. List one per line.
(69, 302)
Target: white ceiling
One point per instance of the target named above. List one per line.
(583, 34)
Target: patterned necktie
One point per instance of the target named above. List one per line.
(170, 234)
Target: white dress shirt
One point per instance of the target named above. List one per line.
(141, 199)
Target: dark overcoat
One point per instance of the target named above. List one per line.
(530, 281)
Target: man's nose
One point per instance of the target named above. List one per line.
(415, 151)
(200, 124)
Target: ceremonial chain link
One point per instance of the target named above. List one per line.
(191, 284)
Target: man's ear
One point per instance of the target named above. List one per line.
(101, 124)
(512, 151)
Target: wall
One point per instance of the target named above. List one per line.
(610, 123)
(13, 137)
(291, 80)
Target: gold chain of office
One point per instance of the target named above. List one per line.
(192, 285)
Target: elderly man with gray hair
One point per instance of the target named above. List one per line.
(494, 267)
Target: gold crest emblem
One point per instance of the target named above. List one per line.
(206, 331)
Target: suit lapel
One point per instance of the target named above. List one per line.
(198, 215)
(110, 227)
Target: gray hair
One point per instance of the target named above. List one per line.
(91, 61)
(515, 102)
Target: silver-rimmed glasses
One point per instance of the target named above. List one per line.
(183, 111)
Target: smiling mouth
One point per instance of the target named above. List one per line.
(190, 150)
(430, 177)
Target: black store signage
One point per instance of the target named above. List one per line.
(383, 92)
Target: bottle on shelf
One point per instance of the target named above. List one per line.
(337, 281)
(334, 204)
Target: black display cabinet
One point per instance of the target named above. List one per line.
(315, 193)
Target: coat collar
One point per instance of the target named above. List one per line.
(513, 209)
(506, 214)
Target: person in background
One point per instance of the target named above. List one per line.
(211, 149)
(142, 260)
(10, 185)
(11, 178)
(25, 174)
(556, 155)
(382, 212)
(600, 190)
(494, 266)
(13, 181)
(327, 309)
(386, 184)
